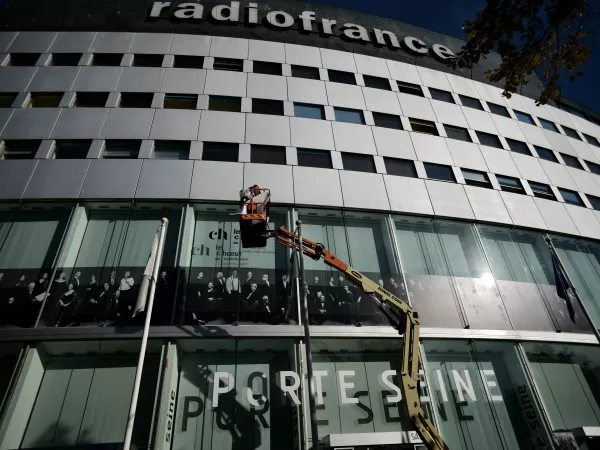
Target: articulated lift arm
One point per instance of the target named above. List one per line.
(401, 315)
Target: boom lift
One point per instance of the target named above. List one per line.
(254, 230)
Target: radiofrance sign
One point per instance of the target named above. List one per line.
(308, 22)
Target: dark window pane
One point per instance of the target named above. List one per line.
(188, 62)
(423, 126)
(220, 151)
(541, 190)
(443, 96)
(595, 201)
(571, 197)
(269, 68)
(267, 154)
(338, 76)
(358, 163)
(349, 115)
(171, 150)
(45, 99)
(548, 125)
(498, 110)
(65, 59)
(491, 140)
(459, 133)
(180, 101)
(400, 167)
(312, 73)
(19, 149)
(229, 64)
(309, 111)
(571, 133)
(71, 149)
(476, 178)
(377, 82)
(571, 161)
(518, 147)
(470, 102)
(6, 100)
(221, 103)
(409, 88)
(107, 59)
(594, 168)
(23, 59)
(387, 121)
(546, 154)
(314, 158)
(264, 106)
(91, 99)
(524, 117)
(136, 99)
(144, 60)
(591, 140)
(121, 149)
(439, 172)
(510, 184)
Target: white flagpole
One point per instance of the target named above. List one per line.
(138, 373)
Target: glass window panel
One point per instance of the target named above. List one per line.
(314, 158)
(548, 125)
(387, 120)
(438, 94)
(518, 147)
(571, 133)
(439, 172)
(571, 161)
(546, 154)
(309, 111)
(459, 133)
(498, 109)
(470, 102)
(269, 68)
(312, 73)
(349, 115)
(571, 197)
(488, 139)
(524, 117)
(377, 82)
(339, 76)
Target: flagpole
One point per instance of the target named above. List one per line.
(148, 309)
(568, 277)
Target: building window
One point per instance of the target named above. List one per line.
(548, 125)
(23, 59)
(220, 151)
(121, 149)
(71, 149)
(146, 60)
(462, 134)
(491, 140)
(19, 149)
(409, 88)
(180, 101)
(107, 59)
(90, 99)
(546, 154)
(518, 147)
(439, 172)
(338, 76)
(309, 111)
(510, 184)
(229, 64)
(476, 178)
(524, 117)
(571, 161)
(222, 103)
(65, 59)
(387, 121)
(541, 190)
(308, 157)
(267, 154)
(268, 68)
(377, 82)
(443, 96)
(188, 62)
(349, 115)
(470, 102)
(423, 126)
(263, 106)
(591, 140)
(571, 197)
(6, 99)
(400, 167)
(571, 133)
(358, 163)
(44, 99)
(594, 201)
(498, 110)
(312, 73)
(594, 168)
(136, 100)
(171, 150)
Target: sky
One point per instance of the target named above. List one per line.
(447, 17)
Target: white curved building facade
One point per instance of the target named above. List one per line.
(429, 182)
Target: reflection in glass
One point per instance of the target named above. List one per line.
(29, 241)
(482, 396)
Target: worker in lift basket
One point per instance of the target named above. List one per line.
(259, 197)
